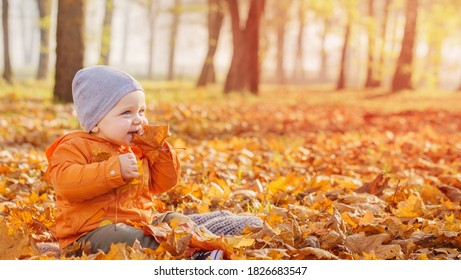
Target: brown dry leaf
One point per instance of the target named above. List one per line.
(359, 242)
(336, 222)
(332, 239)
(310, 253)
(376, 187)
(159, 231)
(363, 202)
(452, 193)
(268, 254)
(388, 252)
(266, 233)
(177, 243)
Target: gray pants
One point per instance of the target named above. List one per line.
(101, 238)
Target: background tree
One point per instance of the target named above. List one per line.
(126, 34)
(70, 47)
(175, 12)
(27, 31)
(404, 71)
(104, 51)
(244, 69)
(7, 72)
(434, 65)
(382, 46)
(152, 9)
(215, 20)
(44, 10)
(324, 12)
(341, 84)
(281, 19)
(371, 80)
(298, 68)
(438, 20)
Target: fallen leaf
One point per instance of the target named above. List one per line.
(359, 243)
(412, 207)
(452, 193)
(152, 138)
(312, 254)
(376, 186)
(15, 245)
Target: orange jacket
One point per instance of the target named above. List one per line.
(90, 192)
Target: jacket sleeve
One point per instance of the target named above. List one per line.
(165, 169)
(76, 180)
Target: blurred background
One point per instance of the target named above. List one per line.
(395, 44)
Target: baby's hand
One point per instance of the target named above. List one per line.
(128, 166)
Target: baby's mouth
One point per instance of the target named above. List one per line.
(132, 134)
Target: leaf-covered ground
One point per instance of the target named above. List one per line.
(331, 180)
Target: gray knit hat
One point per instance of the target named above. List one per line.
(97, 89)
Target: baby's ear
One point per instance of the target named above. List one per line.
(95, 129)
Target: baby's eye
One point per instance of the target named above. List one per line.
(142, 111)
(127, 112)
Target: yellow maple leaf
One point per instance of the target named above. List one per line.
(412, 207)
(239, 242)
(371, 256)
(423, 257)
(349, 220)
(368, 218)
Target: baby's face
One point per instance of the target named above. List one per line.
(125, 119)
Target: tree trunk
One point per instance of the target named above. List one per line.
(431, 77)
(27, 36)
(104, 51)
(252, 31)
(215, 20)
(281, 19)
(152, 16)
(323, 75)
(173, 39)
(371, 81)
(298, 70)
(7, 72)
(342, 76)
(236, 76)
(380, 68)
(70, 47)
(44, 9)
(152, 13)
(245, 66)
(126, 33)
(403, 72)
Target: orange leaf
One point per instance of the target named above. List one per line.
(153, 137)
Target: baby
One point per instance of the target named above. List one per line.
(101, 180)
